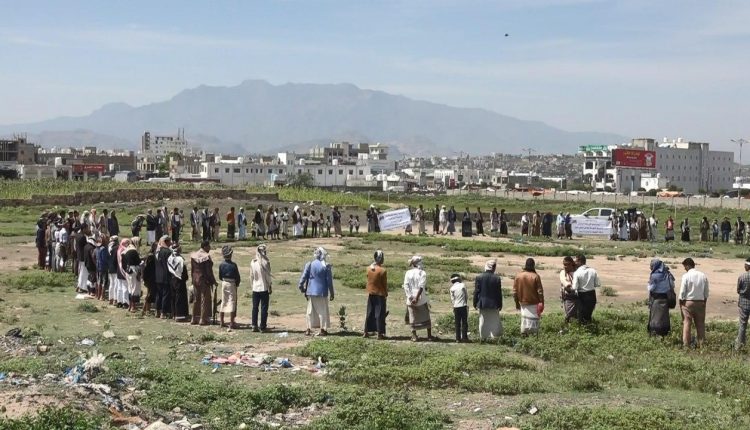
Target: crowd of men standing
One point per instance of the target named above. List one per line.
(112, 268)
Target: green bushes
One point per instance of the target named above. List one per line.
(631, 417)
(32, 280)
(87, 307)
(232, 404)
(51, 418)
(374, 409)
(384, 365)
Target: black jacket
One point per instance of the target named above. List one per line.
(89, 259)
(162, 271)
(113, 260)
(151, 222)
(488, 292)
(80, 244)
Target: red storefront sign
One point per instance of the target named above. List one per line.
(89, 168)
(634, 158)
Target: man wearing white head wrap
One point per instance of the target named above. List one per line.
(178, 270)
(488, 299)
(297, 222)
(284, 225)
(377, 292)
(260, 268)
(417, 303)
(316, 283)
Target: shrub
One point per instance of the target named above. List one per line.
(378, 410)
(87, 307)
(54, 418)
(39, 279)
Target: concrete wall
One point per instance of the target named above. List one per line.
(616, 199)
(136, 195)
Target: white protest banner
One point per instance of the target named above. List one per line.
(391, 220)
(590, 226)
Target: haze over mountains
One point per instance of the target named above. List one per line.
(258, 117)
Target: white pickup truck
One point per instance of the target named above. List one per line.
(594, 221)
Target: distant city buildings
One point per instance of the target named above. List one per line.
(642, 164)
(647, 164)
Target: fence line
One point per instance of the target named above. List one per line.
(612, 199)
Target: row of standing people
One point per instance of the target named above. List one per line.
(444, 221)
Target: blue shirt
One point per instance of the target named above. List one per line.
(660, 283)
(102, 258)
(229, 270)
(317, 279)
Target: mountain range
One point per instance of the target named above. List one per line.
(263, 118)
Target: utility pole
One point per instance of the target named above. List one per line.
(740, 142)
(528, 151)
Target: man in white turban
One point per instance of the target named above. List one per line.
(417, 302)
(488, 299)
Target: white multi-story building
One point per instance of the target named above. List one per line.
(239, 172)
(687, 165)
(160, 146)
(691, 166)
(598, 170)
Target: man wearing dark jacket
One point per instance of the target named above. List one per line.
(163, 278)
(89, 262)
(80, 244)
(488, 299)
(41, 230)
(151, 222)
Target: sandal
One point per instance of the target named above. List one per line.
(414, 338)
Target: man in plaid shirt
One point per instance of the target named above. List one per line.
(743, 302)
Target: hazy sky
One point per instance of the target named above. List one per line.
(639, 68)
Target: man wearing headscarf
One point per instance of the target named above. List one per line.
(316, 283)
(149, 279)
(443, 219)
(195, 224)
(488, 299)
(377, 293)
(202, 274)
(284, 224)
(372, 217)
(529, 297)
(297, 222)
(417, 302)
(163, 278)
(743, 305)
(259, 220)
(229, 275)
(175, 223)
(103, 222)
(41, 243)
(231, 219)
(336, 215)
(452, 217)
(242, 224)
(113, 225)
(80, 244)
(567, 294)
(178, 270)
(206, 224)
(260, 268)
(112, 269)
(151, 222)
(660, 283)
(121, 298)
(89, 266)
(133, 267)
